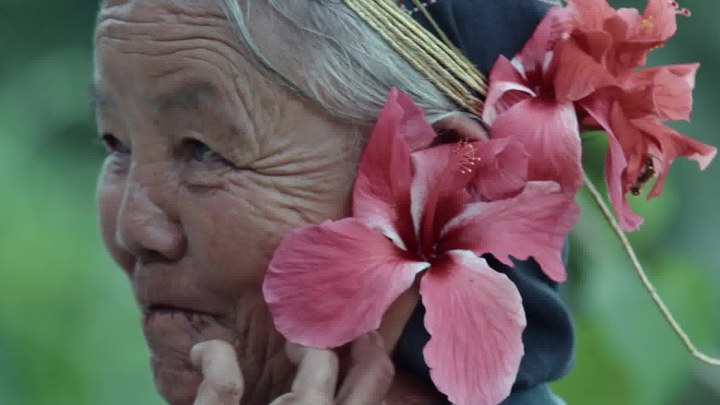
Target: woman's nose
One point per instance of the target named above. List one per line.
(146, 228)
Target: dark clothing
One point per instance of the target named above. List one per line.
(548, 338)
(483, 30)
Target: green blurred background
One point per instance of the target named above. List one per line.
(69, 332)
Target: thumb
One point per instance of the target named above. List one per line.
(222, 379)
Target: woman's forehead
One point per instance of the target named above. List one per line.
(167, 54)
(160, 19)
(171, 36)
(172, 6)
(164, 64)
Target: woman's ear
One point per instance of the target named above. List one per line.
(460, 127)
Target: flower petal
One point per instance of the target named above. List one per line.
(578, 74)
(643, 33)
(662, 18)
(596, 44)
(671, 89)
(616, 163)
(439, 186)
(550, 134)
(539, 47)
(416, 130)
(475, 319)
(672, 144)
(532, 224)
(590, 15)
(615, 167)
(501, 170)
(328, 284)
(507, 88)
(381, 194)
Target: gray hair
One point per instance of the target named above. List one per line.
(338, 61)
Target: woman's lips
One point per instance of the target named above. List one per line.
(178, 328)
(182, 321)
(173, 308)
(170, 333)
(191, 315)
(177, 313)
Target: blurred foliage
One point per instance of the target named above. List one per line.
(69, 331)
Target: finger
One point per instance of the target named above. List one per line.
(222, 380)
(371, 375)
(399, 313)
(291, 398)
(317, 372)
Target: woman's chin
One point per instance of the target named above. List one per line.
(170, 335)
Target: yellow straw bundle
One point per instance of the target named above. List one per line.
(441, 62)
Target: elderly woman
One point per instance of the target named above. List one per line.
(230, 123)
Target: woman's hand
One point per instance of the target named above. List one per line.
(316, 382)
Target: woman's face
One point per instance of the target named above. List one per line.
(209, 166)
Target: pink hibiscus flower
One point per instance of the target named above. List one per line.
(620, 39)
(580, 64)
(425, 217)
(633, 109)
(641, 146)
(529, 100)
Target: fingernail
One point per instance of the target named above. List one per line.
(196, 353)
(377, 340)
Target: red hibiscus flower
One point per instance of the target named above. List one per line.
(620, 39)
(633, 109)
(641, 146)
(426, 217)
(581, 64)
(528, 101)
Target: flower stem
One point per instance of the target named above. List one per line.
(713, 361)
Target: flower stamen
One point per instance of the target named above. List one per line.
(467, 158)
(461, 162)
(682, 11)
(648, 24)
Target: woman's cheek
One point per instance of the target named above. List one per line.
(109, 195)
(235, 229)
(226, 238)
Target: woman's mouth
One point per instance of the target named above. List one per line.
(171, 332)
(196, 318)
(176, 329)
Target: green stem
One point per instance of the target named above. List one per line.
(713, 361)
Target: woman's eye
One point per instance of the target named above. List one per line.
(200, 152)
(113, 144)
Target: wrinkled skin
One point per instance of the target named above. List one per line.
(209, 165)
(316, 381)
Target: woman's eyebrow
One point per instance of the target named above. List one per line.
(189, 96)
